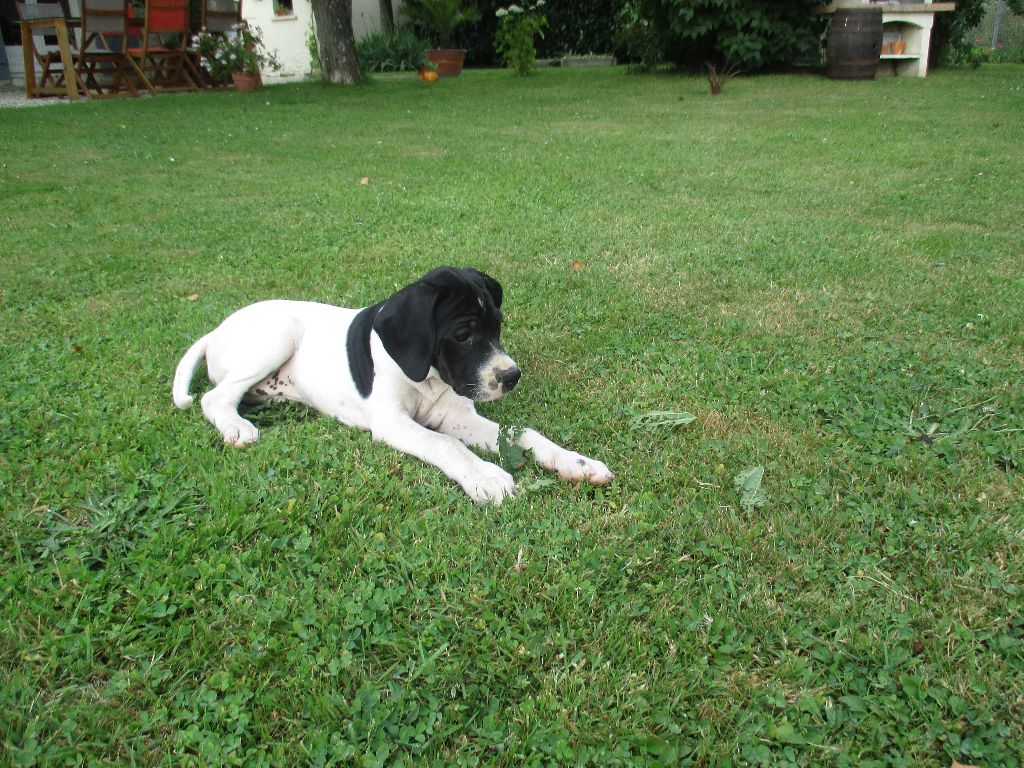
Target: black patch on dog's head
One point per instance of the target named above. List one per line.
(448, 319)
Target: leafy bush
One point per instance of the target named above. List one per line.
(973, 56)
(753, 34)
(401, 50)
(240, 49)
(950, 38)
(636, 39)
(574, 26)
(517, 33)
(583, 26)
(953, 38)
(1006, 55)
(313, 48)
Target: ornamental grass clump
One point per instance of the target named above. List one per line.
(717, 78)
(514, 40)
(240, 49)
(398, 50)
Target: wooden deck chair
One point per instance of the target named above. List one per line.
(162, 52)
(51, 80)
(221, 15)
(103, 63)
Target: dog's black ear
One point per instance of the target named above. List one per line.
(493, 286)
(405, 325)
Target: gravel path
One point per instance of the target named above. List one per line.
(13, 96)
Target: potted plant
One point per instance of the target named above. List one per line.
(237, 55)
(428, 71)
(440, 18)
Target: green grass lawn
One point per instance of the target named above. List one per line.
(827, 275)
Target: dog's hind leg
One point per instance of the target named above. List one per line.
(238, 364)
(220, 406)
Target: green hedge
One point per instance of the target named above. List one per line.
(754, 34)
(574, 26)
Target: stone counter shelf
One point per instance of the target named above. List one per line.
(910, 22)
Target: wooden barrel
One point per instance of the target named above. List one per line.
(854, 43)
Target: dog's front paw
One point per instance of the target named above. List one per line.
(239, 433)
(490, 483)
(575, 467)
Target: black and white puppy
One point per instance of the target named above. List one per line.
(407, 369)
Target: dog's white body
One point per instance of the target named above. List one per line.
(298, 351)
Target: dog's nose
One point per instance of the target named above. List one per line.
(509, 378)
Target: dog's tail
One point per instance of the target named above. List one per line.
(183, 374)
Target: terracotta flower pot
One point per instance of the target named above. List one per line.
(448, 60)
(898, 47)
(245, 82)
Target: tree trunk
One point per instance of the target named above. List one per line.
(387, 16)
(336, 41)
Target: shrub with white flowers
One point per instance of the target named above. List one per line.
(240, 49)
(514, 40)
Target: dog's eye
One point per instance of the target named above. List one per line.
(463, 333)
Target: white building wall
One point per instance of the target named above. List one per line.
(15, 64)
(283, 35)
(288, 35)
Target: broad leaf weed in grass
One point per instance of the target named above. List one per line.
(817, 279)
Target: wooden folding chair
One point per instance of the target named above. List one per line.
(103, 62)
(52, 80)
(167, 64)
(221, 15)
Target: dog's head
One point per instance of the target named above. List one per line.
(450, 319)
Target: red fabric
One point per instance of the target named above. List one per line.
(168, 18)
(133, 23)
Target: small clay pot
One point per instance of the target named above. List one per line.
(245, 82)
